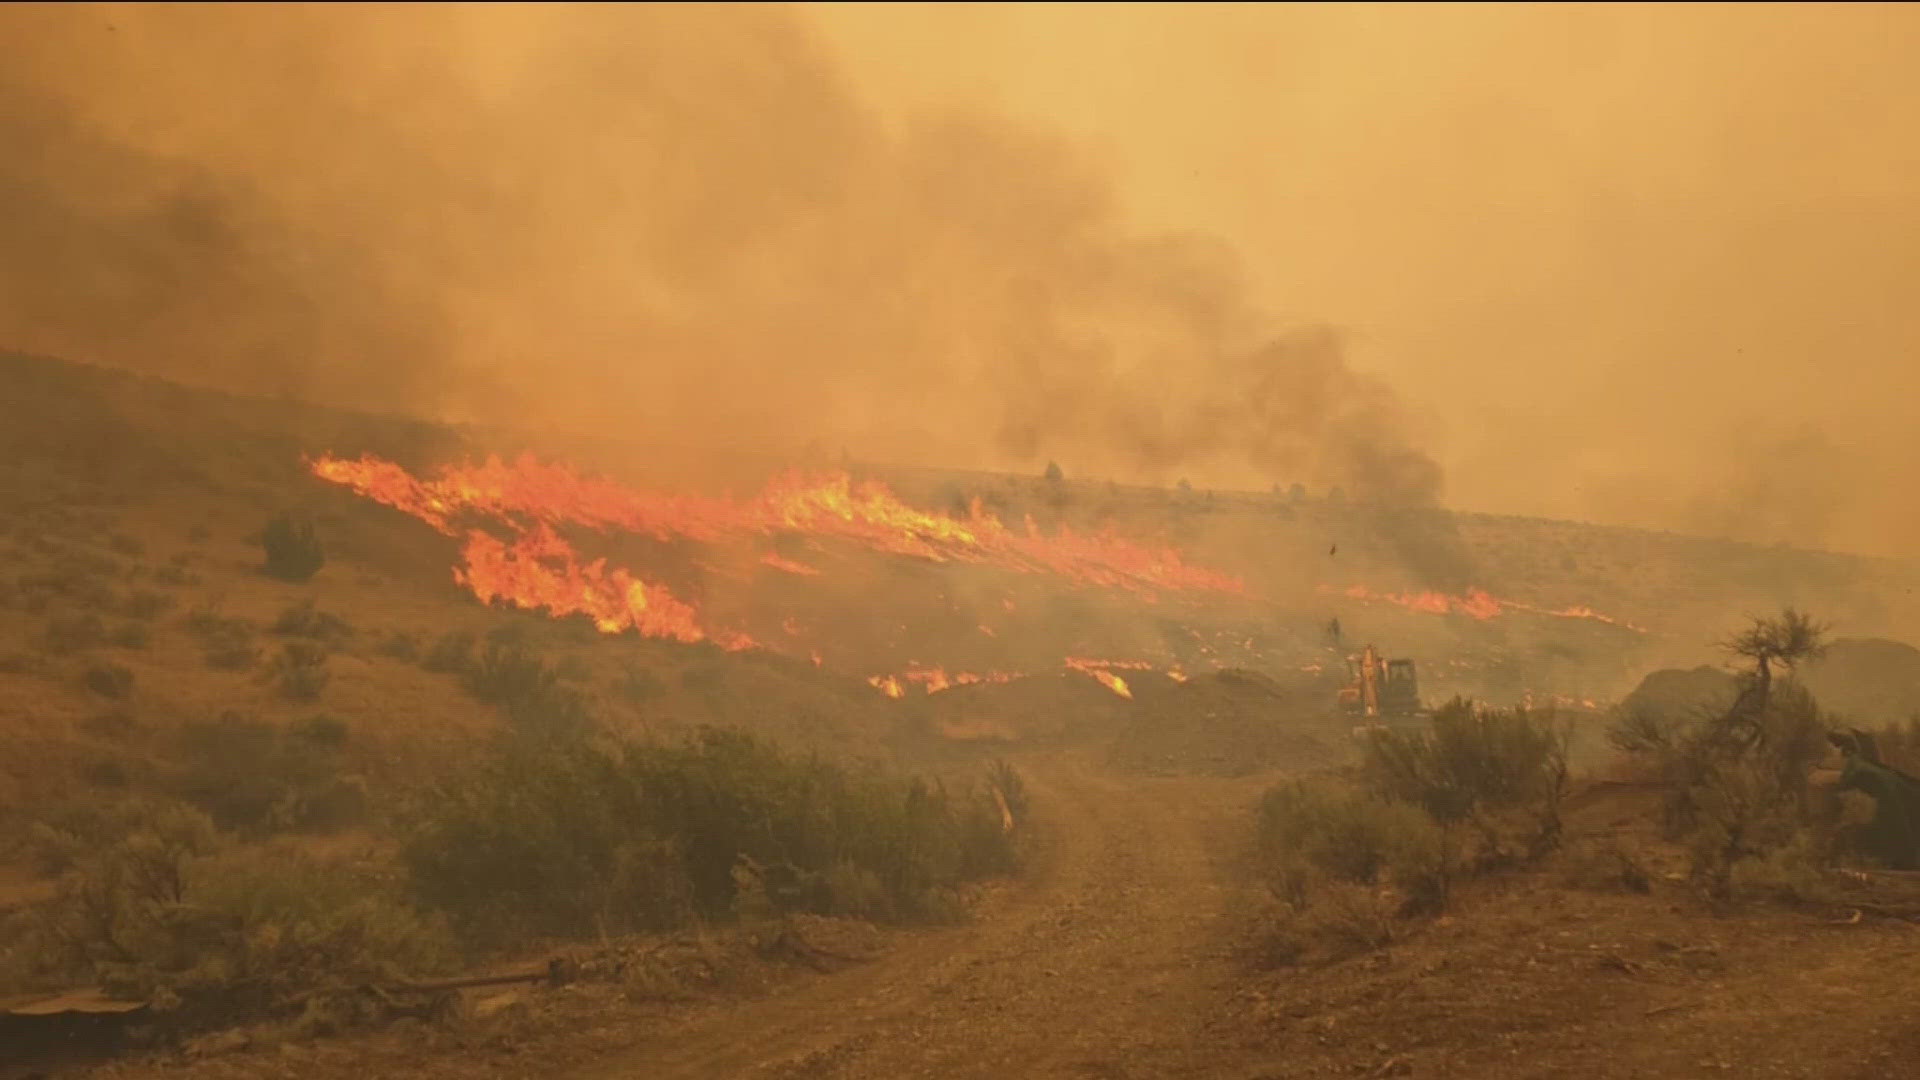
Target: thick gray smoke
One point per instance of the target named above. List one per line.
(666, 223)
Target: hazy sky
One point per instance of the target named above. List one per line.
(1639, 264)
(1646, 263)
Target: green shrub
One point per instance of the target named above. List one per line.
(75, 577)
(1899, 745)
(1740, 809)
(1502, 773)
(526, 688)
(1737, 776)
(109, 680)
(254, 778)
(1605, 866)
(401, 646)
(1738, 771)
(62, 835)
(556, 836)
(74, 633)
(300, 670)
(145, 604)
(1005, 780)
(114, 724)
(325, 732)
(109, 772)
(451, 654)
(544, 839)
(856, 891)
(228, 641)
(305, 620)
(640, 685)
(293, 551)
(176, 574)
(212, 935)
(130, 636)
(1312, 834)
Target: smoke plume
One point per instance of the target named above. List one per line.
(669, 224)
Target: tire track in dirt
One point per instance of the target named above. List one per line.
(1109, 963)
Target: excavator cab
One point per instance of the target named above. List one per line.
(1380, 688)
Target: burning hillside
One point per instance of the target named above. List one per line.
(514, 523)
(1477, 604)
(833, 568)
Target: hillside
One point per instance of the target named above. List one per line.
(145, 654)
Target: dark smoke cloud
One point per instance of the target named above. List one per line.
(667, 223)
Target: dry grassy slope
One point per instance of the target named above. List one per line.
(1685, 590)
(114, 487)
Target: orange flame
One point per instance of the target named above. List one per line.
(1478, 604)
(791, 567)
(540, 570)
(936, 680)
(832, 505)
(1102, 673)
(1113, 682)
(525, 574)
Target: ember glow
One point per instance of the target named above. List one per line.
(1102, 672)
(935, 680)
(1477, 604)
(1112, 682)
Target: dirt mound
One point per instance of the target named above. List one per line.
(1677, 693)
(1870, 681)
(1033, 710)
(1227, 723)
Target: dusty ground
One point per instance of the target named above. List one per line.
(1129, 953)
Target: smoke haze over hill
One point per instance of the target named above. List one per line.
(1641, 266)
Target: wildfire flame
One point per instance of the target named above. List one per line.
(1112, 682)
(1478, 604)
(830, 505)
(791, 567)
(1102, 672)
(934, 680)
(539, 569)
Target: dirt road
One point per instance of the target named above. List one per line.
(1109, 963)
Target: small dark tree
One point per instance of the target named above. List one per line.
(1785, 641)
(292, 549)
(1053, 472)
(1739, 772)
(1298, 492)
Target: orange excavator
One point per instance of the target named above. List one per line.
(1380, 688)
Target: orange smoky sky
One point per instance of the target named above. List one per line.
(1642, 263)
(1645, 265)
